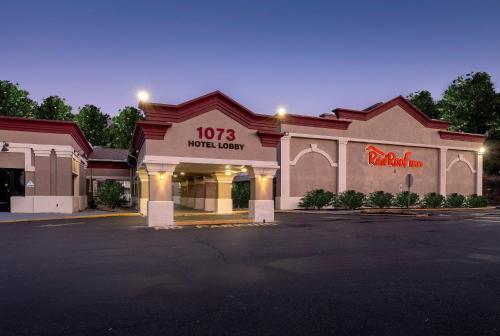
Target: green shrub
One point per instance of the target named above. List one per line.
(432, 200)
(317, 198)
(351, 199)
(380, 199)
(240, 193)
(454, 200)
(110, 194)
(401, 199)
(476, 201)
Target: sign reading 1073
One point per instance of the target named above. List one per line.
(215, 137)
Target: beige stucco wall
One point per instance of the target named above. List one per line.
(460, 178)
(312, 170)
(177, 137)
(39, 138)
(393, 125)
(43, 176)
(367, 178)
(64, 180)
(12, 160)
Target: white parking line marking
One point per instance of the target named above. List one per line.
(59, 225)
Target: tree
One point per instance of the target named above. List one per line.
(54, 108)
(94, 124)
(14, 102)
(469, 103)
(122, 127)
(424, 102)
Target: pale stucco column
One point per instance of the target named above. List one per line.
(143, 191)
(42, 172)
(210, 193)
(191, 194)
(342, 166)
(160, 203)
(199, 197)
(442, 170)
(224, 202)
(261, 205)
(176, 191)
(184, 192)
(479, 174)
(284, 175)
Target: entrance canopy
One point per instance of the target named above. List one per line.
(211, 137)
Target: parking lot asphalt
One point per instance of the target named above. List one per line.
(311, 274)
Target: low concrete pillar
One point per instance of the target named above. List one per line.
(191, 194)
(224, 202)
(210, 193)
(176, 192)
(199, 194)
(143, 191)
(160, 203)
(261, 205)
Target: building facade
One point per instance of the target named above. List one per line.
(42, 166)
(189, 154)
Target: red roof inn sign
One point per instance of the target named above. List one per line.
(377, 157)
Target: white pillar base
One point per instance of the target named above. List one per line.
(143, 206)
(177, 200)
(199, 203)
(42, 204)
(261, 210)
(160, 213)
(210, 204)
(224, 206)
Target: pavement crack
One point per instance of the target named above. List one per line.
(220, 253)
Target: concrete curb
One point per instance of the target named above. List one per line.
(125, 214)
(386, 211)
(213, 222)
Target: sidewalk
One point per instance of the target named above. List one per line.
(7, 217)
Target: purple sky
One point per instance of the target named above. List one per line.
(309, 56)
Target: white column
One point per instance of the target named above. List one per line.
(261, 205)
(210, 193)
(479, 174)
(283, 199)
(143, 191)
(160, 203)
(224, 202)
(199, 200)
(442, 170)
(342, 166)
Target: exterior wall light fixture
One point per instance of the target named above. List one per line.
(162, 176)
(482, 150)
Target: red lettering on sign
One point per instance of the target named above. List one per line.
(209, 133)
(377, 157)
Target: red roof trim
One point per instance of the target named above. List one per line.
(270, 139)
(325, 122)
(460, 136)
(408, 107)
(148, 130)
(108, 164)
(214, 100)
(47, 126)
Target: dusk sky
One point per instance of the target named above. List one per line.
(310, 56)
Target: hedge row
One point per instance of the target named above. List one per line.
(351, 199)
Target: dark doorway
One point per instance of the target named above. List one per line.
(11, 184)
